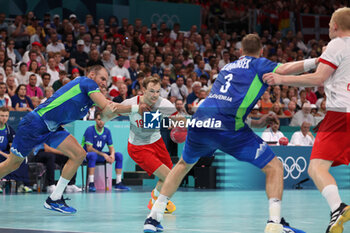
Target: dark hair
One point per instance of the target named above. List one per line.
(97, 113)
(45, 74)
(19, 86)
(4, 109)
(95, 68)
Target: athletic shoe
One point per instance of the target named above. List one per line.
(120, 186)
(151, 225)
(338, 218)
(50, 188)
(24, 189)
(59, 206)
(272, 227)
(92, 187)
(73, 189)
(170, 207)
(289, 229)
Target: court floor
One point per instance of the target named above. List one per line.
(222, 211)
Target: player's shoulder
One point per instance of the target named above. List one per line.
(132, 100)
(91, 128)
(107, 130)
(338, 42)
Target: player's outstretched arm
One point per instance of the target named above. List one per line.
(317, 78)
(297, 67)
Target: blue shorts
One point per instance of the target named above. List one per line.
(31, 132)
(244, 145)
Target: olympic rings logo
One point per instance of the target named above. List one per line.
(290, 164)
(169, 21)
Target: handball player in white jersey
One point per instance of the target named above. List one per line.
(146, 146)
(331, 147)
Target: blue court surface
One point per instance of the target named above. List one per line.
(222, 211)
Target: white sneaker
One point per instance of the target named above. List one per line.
(51, 188)
(272, 227)
(73, 189)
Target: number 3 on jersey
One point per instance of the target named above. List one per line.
(224, 88)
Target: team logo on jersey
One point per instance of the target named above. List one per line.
(151, 120)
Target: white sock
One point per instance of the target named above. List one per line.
(158, 208)
(61, 185)
(275, 210)
(91, 178)
(119, 178)
(331, 193)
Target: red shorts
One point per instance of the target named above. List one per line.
(150, 157)
(332, 139)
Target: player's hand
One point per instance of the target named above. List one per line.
(272, 79)
(144, 108)
(271, 117)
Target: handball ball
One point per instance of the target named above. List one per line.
(283, 141)
(178, 134)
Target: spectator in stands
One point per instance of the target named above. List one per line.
(22, 75)
(225, 60)
(59, 65)
(272, 133)
(48, 92)
(310, 95)
(178, 89)
(11, 52)
(51, 69)
(302, 116)
(5, 100)
(94, 58)
(189, 83)
(276, 95)
(11, 85)
(94, 140)
(3, 24)
(7, 135)
(123, 94)
(179, 105)
(120, 70)
(32, 89)
(276, 109)
(165, 87)
(302, 99)
(303, 137)
(255, 114)
(107, 61)
(35, 101)
(49, 157)
(79, 58)
(137, 84)
(291, 109)
(45, 82)
(75, 73)
(59, 83)
(204, 81)
(192, 108)
(18, 32)
(20, 101)
(265, 103)
(200, 69)
(133, 69)
(55, 46)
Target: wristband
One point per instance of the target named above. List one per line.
(134, 108)
(309, 64)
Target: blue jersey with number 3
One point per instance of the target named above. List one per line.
(235, 92)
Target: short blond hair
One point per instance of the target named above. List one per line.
(150, 79)
(342, 18)
(251, 44)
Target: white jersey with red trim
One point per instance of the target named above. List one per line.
(337, 86)
(140, 136)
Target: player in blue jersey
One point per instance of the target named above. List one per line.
(233, 95)
(94, 140)
(44, 125)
